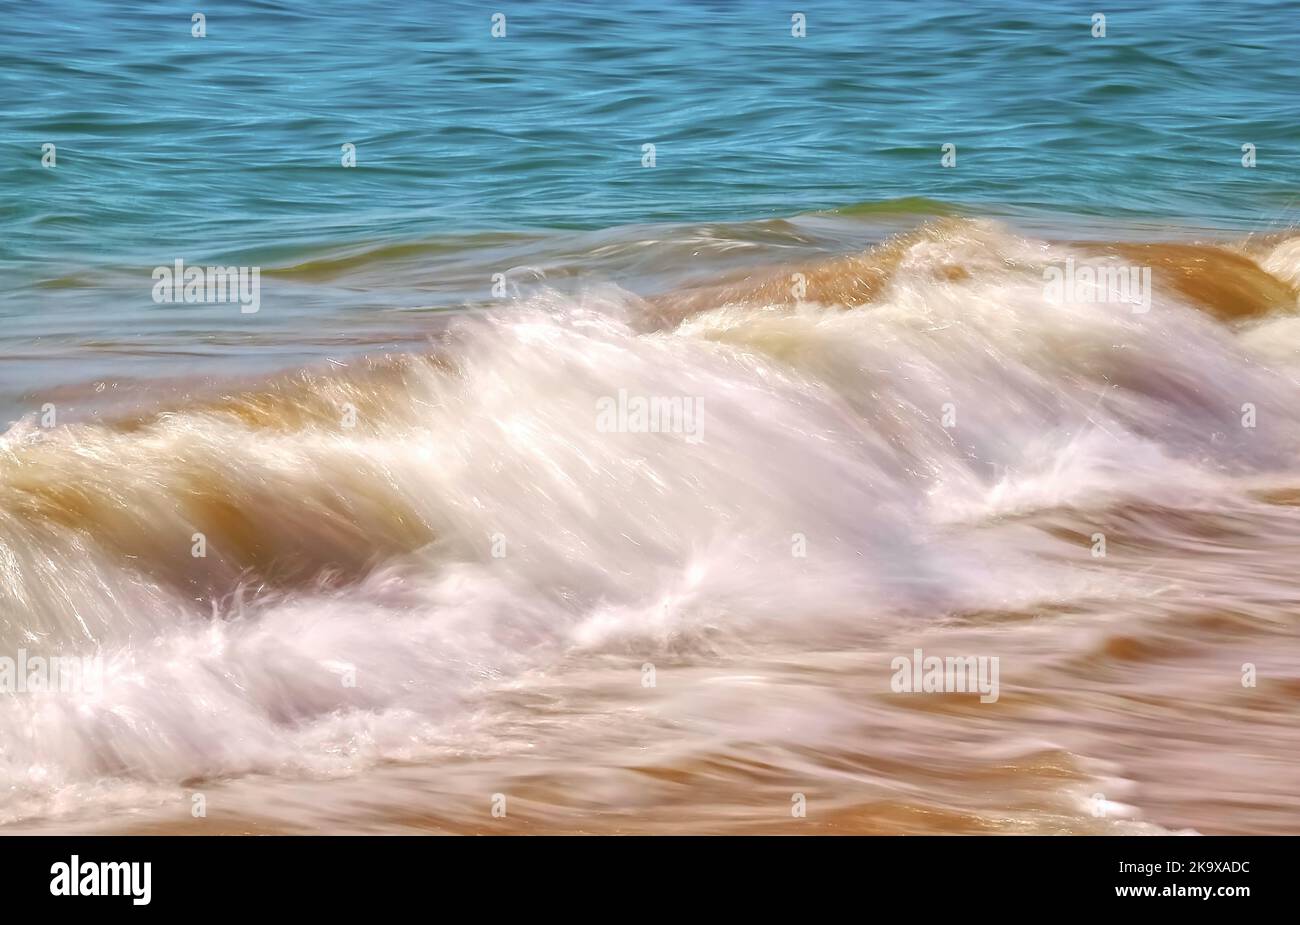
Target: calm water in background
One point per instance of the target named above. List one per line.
(484, 154)
(372, 549)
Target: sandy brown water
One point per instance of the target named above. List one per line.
(1152, 689)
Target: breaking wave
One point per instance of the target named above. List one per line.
(345, 568)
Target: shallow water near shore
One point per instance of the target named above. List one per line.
(461, 593)
(378, 557)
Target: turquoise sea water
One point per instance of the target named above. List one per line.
(477, 153)
(229, 145)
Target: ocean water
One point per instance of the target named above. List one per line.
(431, 571)
(478, 155)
